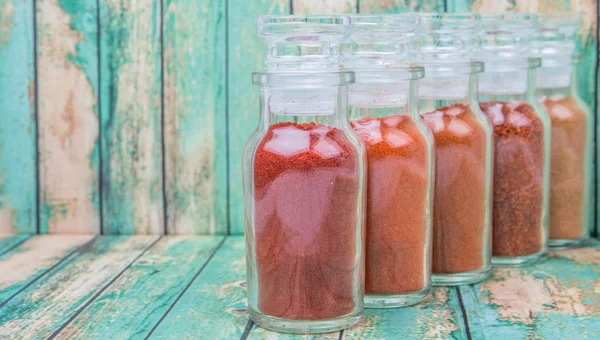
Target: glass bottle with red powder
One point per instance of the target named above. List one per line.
(399, 152)
(463, 147)
(304, 183)
(521, 136)
(571, 179)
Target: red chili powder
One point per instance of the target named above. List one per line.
(568, 170)
(459, 222)
(397, 200)
(306, 189)
(518, 178)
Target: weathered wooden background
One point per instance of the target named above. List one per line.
(130, 116)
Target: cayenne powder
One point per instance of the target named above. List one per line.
(306, 189)
(397, 201)
(569, 149)
(518, 178)
(460, 241)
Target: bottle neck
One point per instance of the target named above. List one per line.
(516, 85)
(556, 81)
(320, 105)
(378, 100)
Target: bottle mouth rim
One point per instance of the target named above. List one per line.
(518, 17)
(398, 19)
(394, 74)
(303, 79)
(466, 16)
(449, 67)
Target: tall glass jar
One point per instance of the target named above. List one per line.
(304, 193)
(463, 142)
(572, 130)
(384, 113)
(522, 139)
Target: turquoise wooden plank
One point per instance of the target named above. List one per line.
(214, 305)
(130, 117)
(8, 242)
(439, 318)
(34, 258)
(261, 333)
(195, 116)
(400, 6)
(557, 299)
(145, 291)
(245, 55)
(18, 203)
(67, 59)
(44, 306)
(324, 7)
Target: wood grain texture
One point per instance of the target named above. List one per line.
(68, 119)
(400, 6)
(558, 299)
(214, 306)
(8, 242)
(130, 91)
(33, 258)
(324, 7)
(438, 318)
(146, 290)
(195, 117)
(246, 55)
(44, 306)
(18, 202)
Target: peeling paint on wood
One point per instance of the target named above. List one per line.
(439, 317)
(246, 55)
(8, 242)
(18, 203)
(130, 71)
(557, 299)
(215, 303)
(68, 120)
(146, 290)
(33, 258)
(195, 117)
(43, 307)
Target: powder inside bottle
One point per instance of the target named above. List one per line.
(569, 148)
(306, 189)
(397, 204)
(460, 240)
(518, 178)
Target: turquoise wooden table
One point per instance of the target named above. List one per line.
(192, 287)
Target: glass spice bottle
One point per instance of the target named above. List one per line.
(303, 172)
(399, 149)
(463, 143)
(522, 139)
(572, 131)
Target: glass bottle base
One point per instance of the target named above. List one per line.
(518, 261)
(305, 326)
(567, 244)
(456, 279)
(395, 301)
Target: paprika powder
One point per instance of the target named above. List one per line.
(461, 233)
(397, 205)
(518, 209)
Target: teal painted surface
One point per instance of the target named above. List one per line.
(557, 299)
(145, 291)
(130, 93)
(440, 317)
(9, 242)
(400, 6)
(195, 117)
(215, 303)
(18, 204)
(246, 55)
(44, 306)
(67, 38)
(35, 257)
